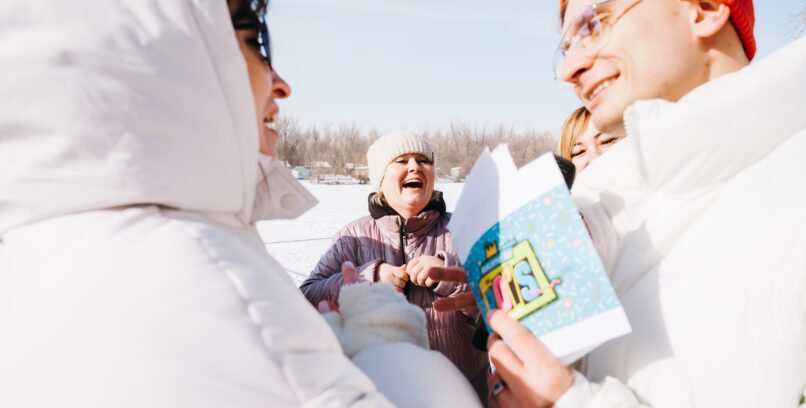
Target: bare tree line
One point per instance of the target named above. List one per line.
(344, 147)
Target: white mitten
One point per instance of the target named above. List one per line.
(376, 314)
(386, 337)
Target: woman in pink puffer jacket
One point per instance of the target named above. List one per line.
(402, 238)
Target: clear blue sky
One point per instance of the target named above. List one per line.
(390, 64)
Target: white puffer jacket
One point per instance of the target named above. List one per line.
(700, 215)
(130, 273)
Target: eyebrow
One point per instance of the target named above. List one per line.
(596, 136)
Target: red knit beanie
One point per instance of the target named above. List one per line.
(741, 12)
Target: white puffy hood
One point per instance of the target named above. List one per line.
(113, 103)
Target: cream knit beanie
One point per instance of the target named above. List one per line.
(389, 147)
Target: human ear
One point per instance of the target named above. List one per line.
(708, 17)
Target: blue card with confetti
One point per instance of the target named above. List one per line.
(537, 261)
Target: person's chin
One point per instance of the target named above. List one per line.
(268, 141)
(609, 117)
(414, 202)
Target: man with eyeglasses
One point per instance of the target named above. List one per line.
(699, 213)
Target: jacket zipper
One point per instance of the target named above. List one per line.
(404, 242)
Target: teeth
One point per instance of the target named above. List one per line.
(269, 124)
(600, 88)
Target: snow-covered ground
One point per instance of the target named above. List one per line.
(298, 244)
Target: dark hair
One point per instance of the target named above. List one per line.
(241, 10)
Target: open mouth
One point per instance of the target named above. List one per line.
(602, 86)
(269, 122)
(413, 184)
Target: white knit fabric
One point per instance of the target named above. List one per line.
(373, 314)
(385, 336)
(391, 146)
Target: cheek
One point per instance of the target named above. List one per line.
(579, 163)
(260, 82)
(641, 54)
(390, 181)
(392, 176)
(261, 89)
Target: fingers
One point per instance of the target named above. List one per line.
(519, 340)
(399, 277)
(429, 283)
(506, 363)
(413, 269)
(504, 399)
(401, 271)
(349, 274)
(419, 270)
(500, 395)
(448, 274)
(327, 306)
(399, 284)
(531, 372)
(459, 302)
(515, 375)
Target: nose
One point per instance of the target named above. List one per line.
(280, 89)
(575, 64)
(412, 164)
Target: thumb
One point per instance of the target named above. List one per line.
(401, 271)
(349, 274)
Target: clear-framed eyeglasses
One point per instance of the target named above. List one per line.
(590, 29)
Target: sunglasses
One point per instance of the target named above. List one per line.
(263, 42)
(589, 30)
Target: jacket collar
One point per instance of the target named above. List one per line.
(391, 221)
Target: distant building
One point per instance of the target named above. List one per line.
(301, 173)
(357, 170)
(321, 165)
(455, 172)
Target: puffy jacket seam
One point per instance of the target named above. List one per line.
(227, 272)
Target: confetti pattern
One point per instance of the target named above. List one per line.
(563, 261)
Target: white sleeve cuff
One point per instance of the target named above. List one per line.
(611, 393)
(578, 395)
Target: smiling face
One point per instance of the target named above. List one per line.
(649, 52)
(590, 145)
(408, 184)
(267, 86)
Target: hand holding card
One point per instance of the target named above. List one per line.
(527, 252)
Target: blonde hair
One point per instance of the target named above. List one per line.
(378, 198)
(573, 128)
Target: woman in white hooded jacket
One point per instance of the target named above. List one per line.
(131, 274)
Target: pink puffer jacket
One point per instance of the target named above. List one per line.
(376, 239)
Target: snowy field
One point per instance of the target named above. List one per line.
(298, 244)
